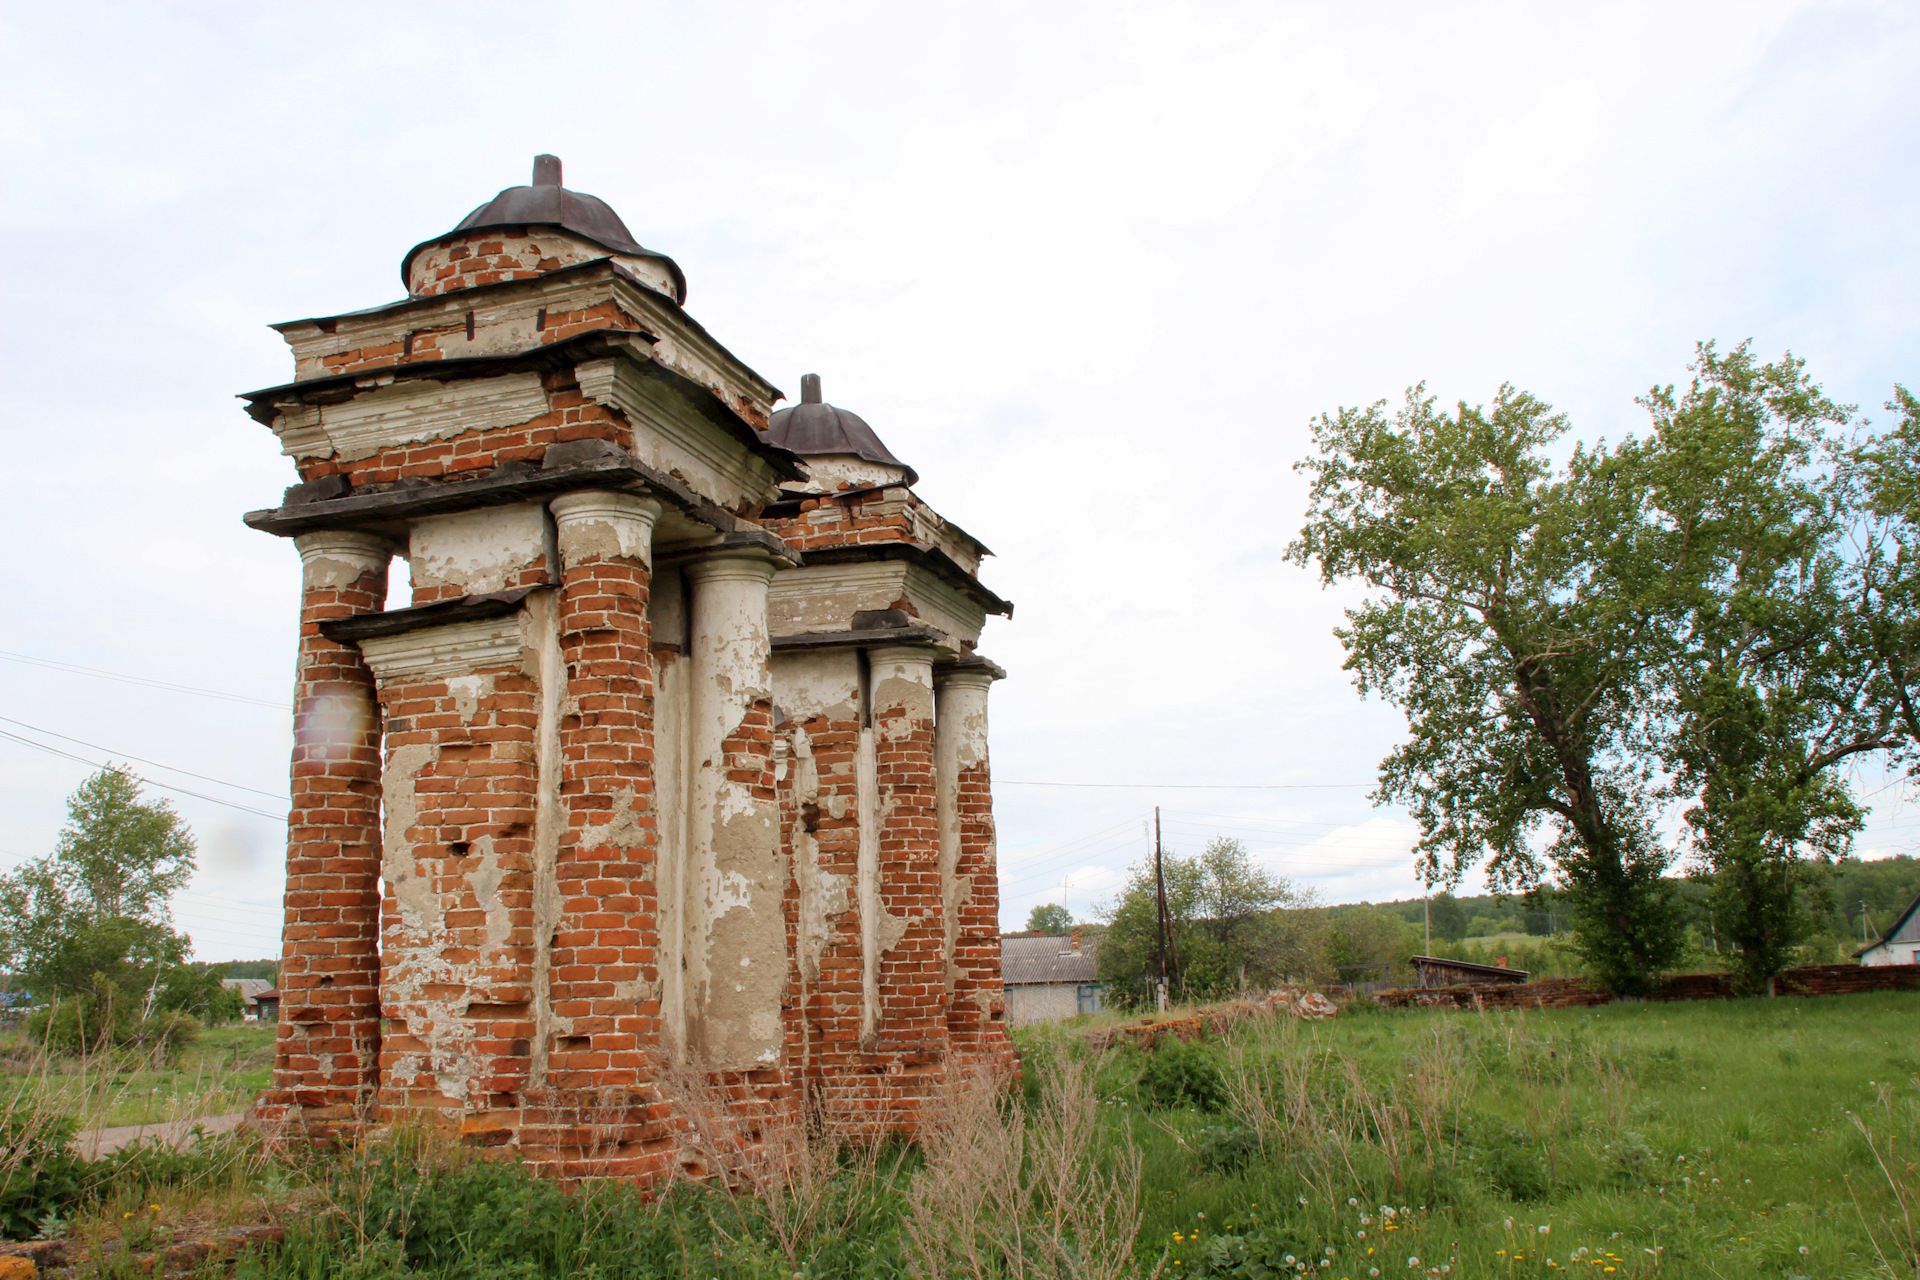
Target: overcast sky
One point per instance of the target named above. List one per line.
(1091, 269)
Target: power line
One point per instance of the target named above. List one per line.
(94, 672)
(271, 795)
(95, 764)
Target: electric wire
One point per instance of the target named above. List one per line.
(124, 755)
(72, 668)
(94, 764)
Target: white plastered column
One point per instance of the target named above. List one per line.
(604, 523)
(735, 931)
(959, 743)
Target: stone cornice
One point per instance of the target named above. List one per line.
(454, 648)
(630, 346)
(942, 566)
(582, 464)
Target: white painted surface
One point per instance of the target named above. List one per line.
(736, 936)
(393, 413)
(477, 551)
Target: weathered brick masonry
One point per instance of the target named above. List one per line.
(668, 789)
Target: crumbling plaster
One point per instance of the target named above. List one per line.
(477, 551)
(736, 937)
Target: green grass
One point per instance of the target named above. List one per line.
(220, 1072)
(1700, 1139)
(1708, 1139)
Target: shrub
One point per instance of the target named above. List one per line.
(39, 1172)
(1511, 1162)
(1182, 1073)
(1226, 1148)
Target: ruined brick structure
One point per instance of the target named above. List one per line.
(675, 766)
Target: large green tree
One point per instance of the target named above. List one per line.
(1227, 925)
(1774, 683)
(1692, 617)
(89, 929)
(1518, 612)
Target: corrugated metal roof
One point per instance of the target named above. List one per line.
(1047, 958)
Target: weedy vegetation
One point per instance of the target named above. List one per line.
(1755, 1138)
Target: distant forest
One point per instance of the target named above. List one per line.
(1887, 886)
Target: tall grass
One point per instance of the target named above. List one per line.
(1718, 1139)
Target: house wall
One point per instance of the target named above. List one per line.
(1030, 1002)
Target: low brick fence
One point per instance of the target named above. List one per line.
(1578, 993)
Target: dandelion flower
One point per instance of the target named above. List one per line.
(1413, 1262)
(1544, 1228)
(1804, 1251)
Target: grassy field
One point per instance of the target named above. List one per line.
(218, 1073)
(1698, 1139)
(1713, 1139)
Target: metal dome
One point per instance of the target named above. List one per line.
(547, 203)
(814, 428)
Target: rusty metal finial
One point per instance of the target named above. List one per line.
(546, 171)
(809, 388)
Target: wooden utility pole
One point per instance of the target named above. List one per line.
(1160, 895)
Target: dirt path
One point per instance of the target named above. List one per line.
(94, 1143)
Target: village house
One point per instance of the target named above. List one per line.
(675, 761)
(1049, 977)
(1902, 943)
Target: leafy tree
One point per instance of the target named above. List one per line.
(1226, 925)
(1447, 917)
(1520, 612)
(1775, 682)
(1704, 616)
(1049, 917)
(1351, 936)
(90, 925)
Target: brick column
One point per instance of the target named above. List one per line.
(603, 980)
(326, 1057)
(736, 951)
(976, 1000)
(907, 959)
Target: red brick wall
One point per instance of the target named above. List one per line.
(441, 337)
(457, 979)
(569, 416)
(869, 517)
(825, 1049)
(976, 1031)
(328, 1040)
(910, 1044)
(599, 1116)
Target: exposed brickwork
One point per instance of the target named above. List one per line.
(443, 337)
(569, 416)
(457, 976)
(328, 1040)
(604, 966)
(824, 825)
(910, 1045)
(490, 256)
(517, 958)
(977, 1014)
